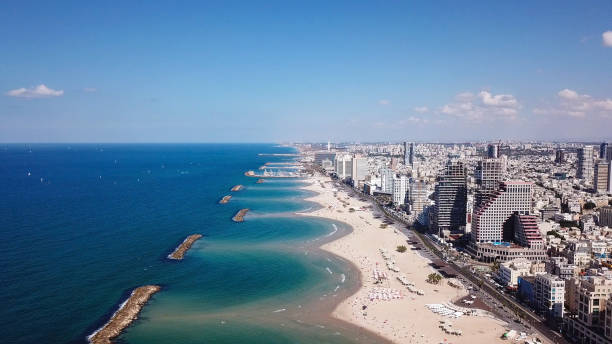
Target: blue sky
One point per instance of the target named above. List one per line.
(250, 71)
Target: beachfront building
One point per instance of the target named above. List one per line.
(400, 190)
(319, 157)
(451, 199)
(527, 233)
(550, 295)
(584, 168)
(489, 218)
(418, 199)
(489, 173)
(344, 166)
(386, 180)
(360, 170)
(509, 272)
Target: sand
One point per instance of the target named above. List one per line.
(406, 320)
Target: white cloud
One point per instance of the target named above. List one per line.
(421, 109)
(40, 91)
(607, 38)
(574, 104)
(384, 102)
(484, 106)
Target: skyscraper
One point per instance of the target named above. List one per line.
(451, 198)
(488, 174)
(493, 151)
(559, 156)
(408, 153)
(603, 150)
(585, 163)
(489, 218)
(601, 178)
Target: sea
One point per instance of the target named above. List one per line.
(82, 225)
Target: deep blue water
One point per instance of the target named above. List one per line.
(82, 225)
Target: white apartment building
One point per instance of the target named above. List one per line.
(509, 272)
(550, 295)
(400, 190)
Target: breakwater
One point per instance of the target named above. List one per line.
(124, 316)
(260, 180)
(180, 251)
(238, 187)
(239, 217)
(225, 199)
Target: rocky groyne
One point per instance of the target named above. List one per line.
(180, 251)
(239, 217)
(125, 315)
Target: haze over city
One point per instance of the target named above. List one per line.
(310, 71)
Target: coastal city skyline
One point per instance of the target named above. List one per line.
(277, 71)
(329, 172)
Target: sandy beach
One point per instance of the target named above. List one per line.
(404, 320)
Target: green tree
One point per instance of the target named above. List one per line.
(401, 249)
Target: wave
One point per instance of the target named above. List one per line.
(279, 310)
(343, 278)
(329, 270)
(333, 232)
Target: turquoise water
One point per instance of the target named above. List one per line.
(82, 225)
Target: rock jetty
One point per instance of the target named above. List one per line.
(225, 199)
(260, 180)
(238, 187)
(127, 313)
(239, 217)
(180, 251)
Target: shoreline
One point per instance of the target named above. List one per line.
(393, 320)
(124, 316)
(180, 250)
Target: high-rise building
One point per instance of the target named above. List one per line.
(359, 169)
(489, 173)
(344, 166)
(408, 153)
(559, 156)
(603, 150)
(605, 216)
(601, 177)
(417, 196)
(386, 180)
(550, 295)
(585, 163)
(451, 199)
(493, 151)
(490, 217)
(320, 156)
(400, 190)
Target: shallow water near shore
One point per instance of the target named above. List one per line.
(81, 225)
